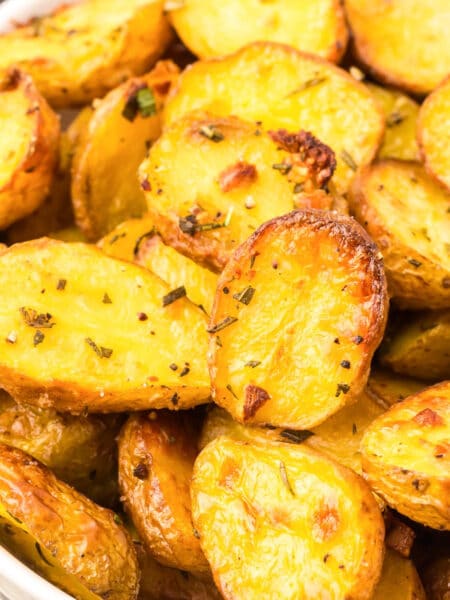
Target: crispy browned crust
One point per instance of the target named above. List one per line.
(237, 175)
(255, 397)
(399, 536)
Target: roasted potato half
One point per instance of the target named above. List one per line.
(72, 542)
(390, 37)
(299, 311)
(105, 189)
(219, 28)
(76, 54)
(285, 89)
(399, 579)
(408, 215)
(125, 240)
(28, 147)
(235, 177)
(405, 456)
(84, 332)
(282, 521)
(390, 388)
(433, 133)
(156, 456)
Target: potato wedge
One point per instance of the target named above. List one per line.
(85, 332)
(408, 216)
(76, 54)
(390, 37)
(156, 456)
(436, 578)
(405, 456)
(216, 29)
(299, 310)
(433, 133)
(28, 149)
(68, 539)
(286, 89)
(282, 521)
(390, 388)
(401, 113)
(399, 579)
(235, 177)
(105, 189)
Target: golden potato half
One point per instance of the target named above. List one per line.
(125, 240)
(235, 177)
(62, 535)
(285, 89)
(434, 133)
(220, 28)
(82, 50)
(282, 521)
(390, 388)
(122, 127)
(299, 311)
(28, 146)
(156, 456)
(81, 331)
(408, 216)
(399, 579)
(405, 456)
(402, 42)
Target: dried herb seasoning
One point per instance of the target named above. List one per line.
(414, 262)
(245, 296)
(232, 392)
(395, 118)
(226, 322)
(252, 363)
(41, 554)
(345, 364)
(106, 299)
(296, 437)
(342, 388)
(191, 226)
(101, 351)
(174, 295)
(349, 160)
(282, 167)
(34, 319)
(285, 478)
(211, 133)
(309, 83)
(185, 371)
(61, 285)
(38, 338)
(141, 102)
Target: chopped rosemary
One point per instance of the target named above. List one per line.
(106, 299)
(191, 226)
(232, 392)
(309, 83)
(140, 239)
(245, 297)
(349, 160)
(211, 133)
(185, 371)
(296, 437)
(117, 520)
(101, 351)
(342, 388)
(173, 366)
(34, 319)
(354, 429)
(252, 363)
(142, 102)
(61, 285)
(395, 118)
(222, 324)
(38, 338)
(282, 167)
(285, 478)
(174, 399)
(414, 262)
(176, 294)
(41, 554)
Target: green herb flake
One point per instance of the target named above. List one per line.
(190, 226)
(295, 437)
(101, 351)
(106, 299)
(211, 133)
(222, 324)
(285, 478)
(414, 262)
(394, 119)
(38, 338)
(117, 520)
(146, 102)
(342, 388)
(174, 295)
(349, 160)
(282, 167)
(41, 554)
(309, 83)
(232, 392)
(61, 285)
(252, 363)
(246, 296)
(34, 319)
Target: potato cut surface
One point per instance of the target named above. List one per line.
(282, 521)
(399, 579)
(299, 311)
(390, 388)
(408, 215)
(390, 37)
(284, 88)
(84, 332)
(405, 456)
(125, 240)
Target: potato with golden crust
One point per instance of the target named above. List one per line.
(399, 579)
(283, 521)
(123, 125)
(156, 456)
(389, 39)
(124, 241)
(219, 28)
(408, 216)
(73, 542)
(75, 54)
(235, 177)
(81, 331)
(433, 131)
(389, 388)
(28, 148)
(299, 310)
(405, 456)
(286, 89)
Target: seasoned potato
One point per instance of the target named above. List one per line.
(399, 580)
(85, 332)
(220, 28)
(235, 177)
(390, 388)
(420, 347)
(124, 241)
(286, 89)
(76, 54)
(408, 216)
(405, 456)
(401, 113)
(299, 310)
(433, 133)
(105, 189)
(28, 148)
(156, 457)
(79, 450)
(436, 578)
(282, 521)
(390, 38)
(68, 539)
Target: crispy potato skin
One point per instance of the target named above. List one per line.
(29, 147)
(257, 357)
(285, 88)
(82, 537)
(156, 457)
(389, 38)
(218, 29)
(405, 456)
(105, 190)
(390, 388)
(436, 578)
(67, 368)
(432, 131)
(76, 55)
(407, 215)
(269, 513)
(399, 579)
